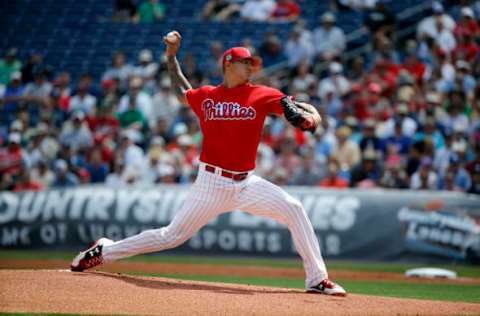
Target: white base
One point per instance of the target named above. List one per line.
(431, 273)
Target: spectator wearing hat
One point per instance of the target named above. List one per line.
(63, 177)
(428, 25)
(368, 172)
(409, 126)
(335, 82)
(136, 98)
(425, 178)
(147, 69)
(164, 103)
(347, 151)
(9, 65)
(369, 138)
(464, 80)
(329, 39)
(150, 11)
(467, 24)
(131, 154)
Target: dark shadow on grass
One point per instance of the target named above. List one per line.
(162, 284)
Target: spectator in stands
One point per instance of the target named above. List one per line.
(456, 177)
(38, 92)
(8, 65)
(150, 11)
(311, 169)
(380, 21)
(347, 151)
(474, 168)
(302, 79)
(63, 177)
(271, 50)
(358, 5)
(116, 179)
(43, 174)
(61, 93)
(425, 178)
(34, 63)
(12, 98)
(329, 40)
(25, 182)
(394, 176)
(220, 10)
(332, 179)
(336, 82)
(76, 133)
(131, 154)
(12, 156)
(96, 167)
(368, 172)
(428, 27)
(464, 80)
(147, 70)
(191, 71)
(136, 98)
(369, 139)
(165, 104)
(430, 131)
(83, 101)
(119, 69)
(125, 11)
(285, 11)
(257, 10)
(467, 49)
(444, 38)
(409, 126)
(134, 120)
(214, 62)
(467, 24)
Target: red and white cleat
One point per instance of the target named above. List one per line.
(91, 257)
(327, 287)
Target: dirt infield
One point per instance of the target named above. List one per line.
(61, 291)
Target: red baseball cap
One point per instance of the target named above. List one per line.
(240, 53)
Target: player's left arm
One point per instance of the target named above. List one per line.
(300, 114)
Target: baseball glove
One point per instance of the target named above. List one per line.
(301, 115)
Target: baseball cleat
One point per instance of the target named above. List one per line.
(91, 257)
(327, 287)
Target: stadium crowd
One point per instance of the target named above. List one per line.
(405, 115)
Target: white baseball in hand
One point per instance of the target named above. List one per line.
(171, 38)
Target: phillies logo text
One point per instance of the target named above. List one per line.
(227, 111)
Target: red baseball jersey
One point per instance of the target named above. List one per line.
(232, 120)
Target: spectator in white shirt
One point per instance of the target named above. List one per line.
(428, 26)
(142, 101)
(335, 82)
(83, 101)
(257, 10)
(297, 50)
(329, 39)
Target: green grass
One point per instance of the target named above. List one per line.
(456, 293)
(469, 271)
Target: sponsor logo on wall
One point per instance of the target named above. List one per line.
(445, 233)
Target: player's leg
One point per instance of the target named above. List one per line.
(208, 197)
(261, 197)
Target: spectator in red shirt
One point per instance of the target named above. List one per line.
(467, 49)
(25, 182)
(332, 180)
(285, 11)
(467, 23)
(11, 157)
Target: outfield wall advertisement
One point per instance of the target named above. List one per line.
(369, 224)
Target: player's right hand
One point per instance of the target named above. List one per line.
(172, 47)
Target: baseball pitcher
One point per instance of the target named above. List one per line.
(231, 118)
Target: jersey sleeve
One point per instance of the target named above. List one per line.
(195, 97)
(271, 99)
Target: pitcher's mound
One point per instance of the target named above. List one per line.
(61, 291)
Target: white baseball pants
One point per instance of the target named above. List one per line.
(211, 195)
